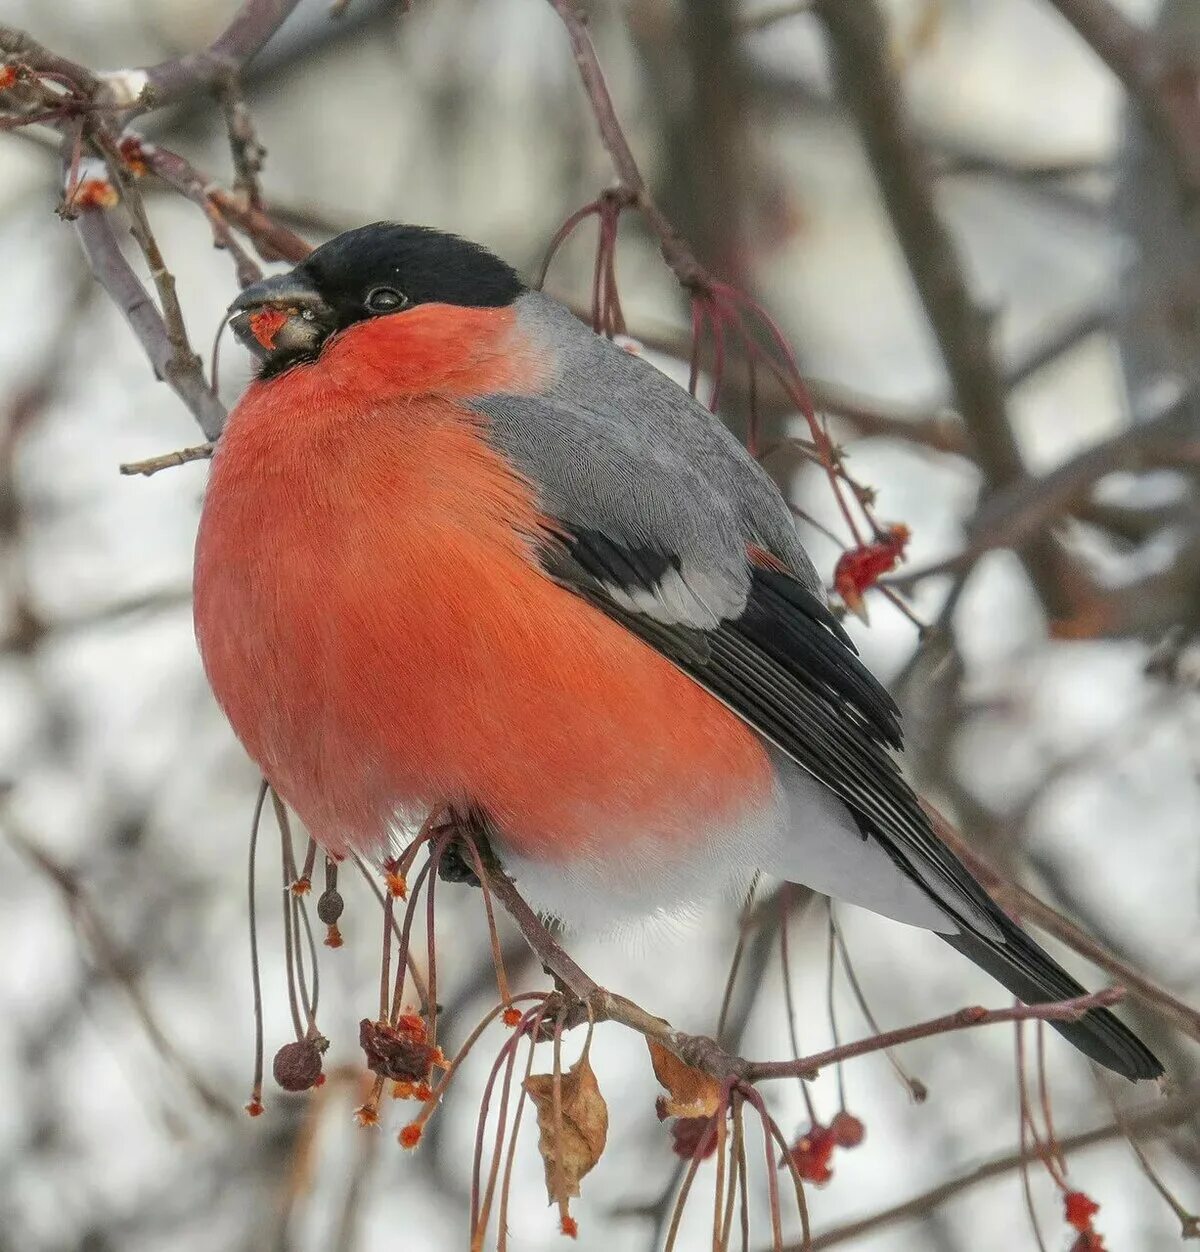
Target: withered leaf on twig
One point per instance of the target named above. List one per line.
(693, 1093)
(570, 1147)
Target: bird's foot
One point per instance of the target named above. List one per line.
(455, 865)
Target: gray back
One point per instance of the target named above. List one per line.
(615, 446)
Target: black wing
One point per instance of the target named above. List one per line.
(789, 670)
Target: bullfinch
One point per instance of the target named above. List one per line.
(458, 550)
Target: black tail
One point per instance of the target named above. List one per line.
(1034, 977)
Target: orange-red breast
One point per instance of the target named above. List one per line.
(458, 549)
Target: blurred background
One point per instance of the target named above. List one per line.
(1053, 707)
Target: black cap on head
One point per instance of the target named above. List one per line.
(371, 271)
(423, 266)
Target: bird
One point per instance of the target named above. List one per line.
(458, 550)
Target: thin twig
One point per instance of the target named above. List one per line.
(114, 274)
(691, 274)
(113, 962)
(867, 79)
(976, 1015)
(168, 460)
(1139, 987)
(1151, 1119)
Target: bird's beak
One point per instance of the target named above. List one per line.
(280, 317)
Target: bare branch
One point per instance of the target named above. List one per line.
(113, 962)
(114, 274)
(976, 1015)
(17, 45)
(187, 180)
(593, 1003)
(168, 460)
(162, 333)
(1030, 908)
(1168, 99)
(245, 36)
(691, 274)
(865, 74)
(1026, 507)
(1151, 1119)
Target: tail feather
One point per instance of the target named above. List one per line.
(1033, 976)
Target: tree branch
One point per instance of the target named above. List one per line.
(864, 71)
(1172, 108)
(133, 91)
(963, 1019)
(691, 274)
(587, 1001)
(114, 274)
(1031, 909)
(113, 962)
(249, 31)
(1026, 507)
(1152, 1119)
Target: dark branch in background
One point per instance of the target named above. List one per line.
(1167, 98)
(864, 72)
(113, 962)
(1027, 906)
(676, 253)
(714, 139)
(1025, 508)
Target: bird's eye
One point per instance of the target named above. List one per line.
(385, 300)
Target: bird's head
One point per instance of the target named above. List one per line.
(373, 271)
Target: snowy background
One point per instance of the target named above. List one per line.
(1062, 757)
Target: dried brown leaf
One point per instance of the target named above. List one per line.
(571, 1144)
(693, 1092)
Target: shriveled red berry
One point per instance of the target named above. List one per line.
(693, 1136)
(1079, 1209)
(811, 1154)
(396, 1052)
(847, 1130)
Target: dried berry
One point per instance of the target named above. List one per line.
(1080, 1209)
(847, 1130)
(811, 1154)
(401, 1052)
(860, 568)
(297, 1066)
(693, 1136)
(330, 905)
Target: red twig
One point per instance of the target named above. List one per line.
(1060, 1011)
